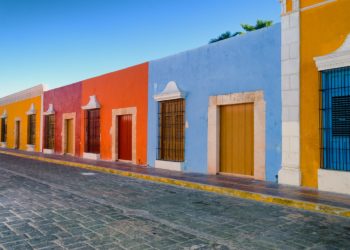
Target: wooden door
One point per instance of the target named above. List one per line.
(69, 136)
(125, 137)
(237, 139)
(92, 131)
(18, 134)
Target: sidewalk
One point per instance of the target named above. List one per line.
(297, 197)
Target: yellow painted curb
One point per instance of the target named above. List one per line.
(315, 207)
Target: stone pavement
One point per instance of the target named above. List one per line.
(49, 206)
(265, 191)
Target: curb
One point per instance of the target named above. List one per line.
(309, 206)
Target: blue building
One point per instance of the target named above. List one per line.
(217, 108)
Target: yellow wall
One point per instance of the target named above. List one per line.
(323, 30)
(289, 5)
(18, 110)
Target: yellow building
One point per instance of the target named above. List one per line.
(316, 94)
(20, 115)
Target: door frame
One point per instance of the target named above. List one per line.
(114, 131)
(68, 116)
(215, 102)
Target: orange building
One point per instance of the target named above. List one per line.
(114, 116)
(21, 123)
(316, 94)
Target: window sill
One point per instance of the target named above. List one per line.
(48, 151)
(30, 147)
(169, 165)
(334, 181)
(91, 156)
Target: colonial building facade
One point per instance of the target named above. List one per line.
(270, 105)
(315, 94)
(217, 109)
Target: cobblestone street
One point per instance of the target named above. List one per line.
(45, 206)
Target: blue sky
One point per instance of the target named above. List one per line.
(58, 42)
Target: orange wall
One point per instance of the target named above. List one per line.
(121, 89)
(323, 30)
(17, 110)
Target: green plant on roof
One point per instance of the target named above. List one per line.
(247, 27)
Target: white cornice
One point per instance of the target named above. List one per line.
(4, 114)
(93, 103)
(23, 95)
(170, 92)
(337, 59)
(31, 110)
(50, 110)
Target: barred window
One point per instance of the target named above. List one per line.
(171, 138)
(92, 131)
(335, 119)
(31, 130)
(3, 129)
(50, 131)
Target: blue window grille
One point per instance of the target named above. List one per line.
(335, 119)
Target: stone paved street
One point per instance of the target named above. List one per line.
(45, 206)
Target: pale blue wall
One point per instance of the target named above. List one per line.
(249, 62)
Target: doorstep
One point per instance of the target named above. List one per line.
(262, 191)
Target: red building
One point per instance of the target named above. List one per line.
(62, 120)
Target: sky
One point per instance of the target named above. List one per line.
(58, 42)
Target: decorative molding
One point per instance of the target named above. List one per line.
(50, 110)
(4, 114)
(93, 103)
(23, 95)
(170, 92)
(31, 110)
(259, 129)
(337, 59)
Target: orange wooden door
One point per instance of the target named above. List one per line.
(69, 136)
(125, 137)
(237, 139)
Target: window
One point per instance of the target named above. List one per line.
(50, 131)
(335, 119)
(3, 129)
(92, 131)
(171, 139)
(31, 130)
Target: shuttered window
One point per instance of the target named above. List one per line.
(171, 139)
(31, 130)
(92, 131)
(50, 131)
(3, 129)
(335, 119)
